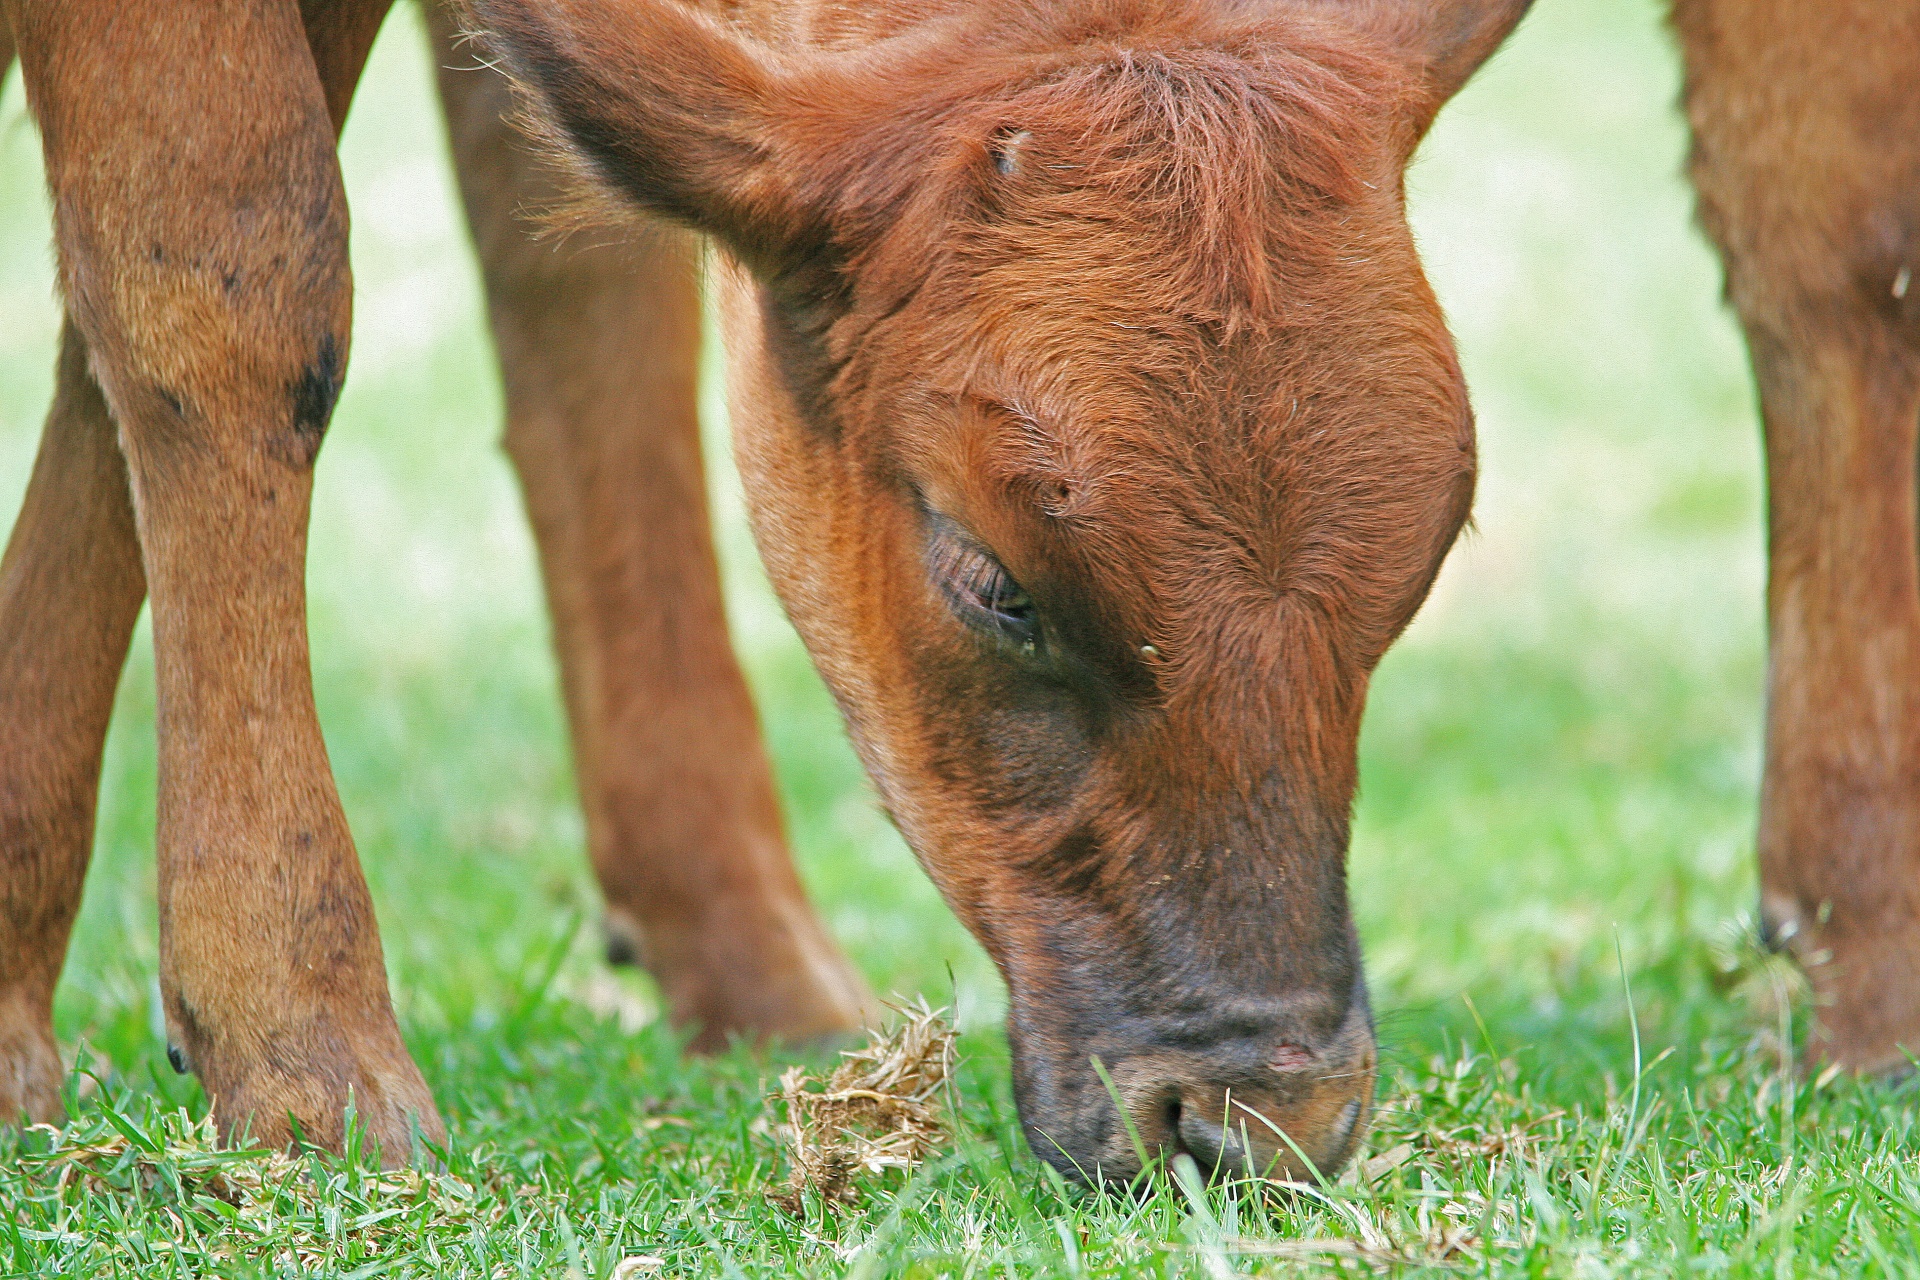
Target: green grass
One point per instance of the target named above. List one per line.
(1587, 1061)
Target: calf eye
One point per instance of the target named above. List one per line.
(980, 591)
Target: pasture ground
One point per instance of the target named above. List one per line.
(1587, 1062)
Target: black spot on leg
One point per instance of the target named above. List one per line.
(182, 1018)
(624, 943)
(313, 394)
(315, 391)
(1775, 931)
(620, 949)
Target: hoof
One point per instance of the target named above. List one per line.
(789, 983)
(300, 1097)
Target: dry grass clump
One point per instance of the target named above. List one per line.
(880, 1109)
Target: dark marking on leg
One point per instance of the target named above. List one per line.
(181, 1019)
(1775, 929)
(313, 394)
(622, 938)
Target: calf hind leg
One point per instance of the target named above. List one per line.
(1807, 161)
(70, 590)
(202, 238)
(600, 349)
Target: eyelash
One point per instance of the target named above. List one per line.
(983, 593)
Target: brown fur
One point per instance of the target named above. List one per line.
(206, 280)
(1101, 433)
(1108, 311)
(1120, 298)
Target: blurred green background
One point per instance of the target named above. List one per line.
(1560, 757)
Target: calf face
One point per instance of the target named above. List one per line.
(1100, 432)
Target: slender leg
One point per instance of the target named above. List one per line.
(201, 229)
(70, 590)
(1807, 160)
(599, 348)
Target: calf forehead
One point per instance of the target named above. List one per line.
(1094, 419)
(1223, 165)
(1098, 344)
(1159, 252)
(1160, 174)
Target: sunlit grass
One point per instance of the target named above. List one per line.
(1587, 1059)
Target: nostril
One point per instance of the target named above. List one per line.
(1173, 1116)
(1290, 1057)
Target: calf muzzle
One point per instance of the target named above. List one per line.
(1278, 1103)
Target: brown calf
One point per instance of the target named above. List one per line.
(1100, 430)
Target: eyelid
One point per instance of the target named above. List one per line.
(961, 568)
(971, 570)
(975, 583)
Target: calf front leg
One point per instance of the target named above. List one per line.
(1807, 160)
(202, 236)
(599, 347)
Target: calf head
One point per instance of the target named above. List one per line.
(1101, 432)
